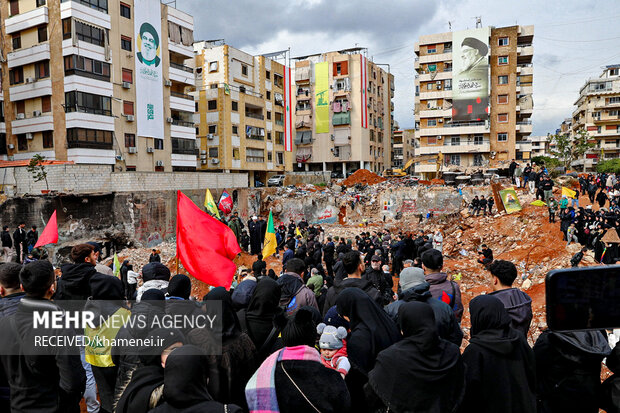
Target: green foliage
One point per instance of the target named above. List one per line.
(37, 169)
(570, 148)
(549, 162)
(609, 166)
(322, 184)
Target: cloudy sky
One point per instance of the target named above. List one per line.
(572, 41)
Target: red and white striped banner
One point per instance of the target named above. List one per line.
(288, 116)
(363, 87)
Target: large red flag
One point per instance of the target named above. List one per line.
(50, 233)
(205, 246)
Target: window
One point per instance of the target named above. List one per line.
(267, 74)
(268, 136)
(598, 129)
(126, 43)
(614, 72)
(234, 106)
(431, 140)
(429, 86)
(22, 142)
(235, 130)
(213, 66)
(83, 66)
(89, 138)
(125, 11)
(84, 32)
(42, 69)
(341, 68)
(20, 107)
(431, 49)
(502, 41)
(478, 140)
(447, 84)
(16, 75)
(184, 146)
(158, 144)
(431, 122)
(130, 168)
(279, 138)
(46, 104)
(269, 156)
(502, 99)
(101, 5)
(212, 105)
(502, 117)
(14, 7)
(502, 137)
(478, 159)
(455, 159)
(130, 140)
(212, 129)
(235, 154)
(127, 108)
(502, 80)
(455, 141)
(254, 155)
(213, 152)
(88, 103)
(268, 115)
(42, 33)
(279, 158)
(17, 42)
(127, 75)
(244, 70)
(48, 139)
(502, 60)
(615, 99)
(268, 95)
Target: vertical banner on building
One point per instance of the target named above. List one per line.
(363, 88)
(149, 77)
(470, 94)
(321, 94)
(288, 119)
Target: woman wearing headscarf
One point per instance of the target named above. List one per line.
(428, 367)
(185, 385)
(263, 319)
(230, 352)
(144, 391)
(293, 379)
(500, 368)
(372, 331)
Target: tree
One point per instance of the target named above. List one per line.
(570, 148)
(36, 168)
(610, 166)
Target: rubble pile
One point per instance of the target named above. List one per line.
(364, 177)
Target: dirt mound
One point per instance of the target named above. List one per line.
(363, 176)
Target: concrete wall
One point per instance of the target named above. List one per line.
(83, 179)
(414, 201)
(297, 178)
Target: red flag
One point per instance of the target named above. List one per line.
(226, 203)
(205, 246)
(50, 233)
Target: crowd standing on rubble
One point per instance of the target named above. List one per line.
(330, 333)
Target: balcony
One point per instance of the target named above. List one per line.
(89, 121)
(435, 113)
(436, 57)
(525, 69)
(33, 124)
(182, 129)
(432, 76)
(525, 49)
(524, 127)
(182, 102)
(30, 55)
(85, 13)
(26, 20)
(42, 87)
(181, 73)
(463, 147)
(254, 115)
(439, 94)
(182, 159)
(473, 128)
(524, 146)
(186, 21)
(91, 153)
(88, 85)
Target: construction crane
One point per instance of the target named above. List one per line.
(397, 173)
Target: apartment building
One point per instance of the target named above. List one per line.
(598, 113)
(343, 113)
(473, 98)
(98, 82)
(403, 144)
(241, 112)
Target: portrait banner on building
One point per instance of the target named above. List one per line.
(288, 116)
(510, 200)
(149, 74)
(321, 96)
(470, 68)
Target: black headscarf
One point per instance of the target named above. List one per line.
(371, 329)
(490, 325)
(230, 323)
(185, 377)
(262, 311)
(106, 287)
(180, 286)
(300, 329)
(429, 368)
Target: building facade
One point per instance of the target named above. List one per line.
(474, 97)
(598, 113)
(343, 113)
(241, 112)
(69, 83)
(403, 145)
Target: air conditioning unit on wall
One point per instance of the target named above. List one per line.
(149, 150)
(130, 118)
(159, 163)
(132, 149)
(126, 85)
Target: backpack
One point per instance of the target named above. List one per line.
(449, 299)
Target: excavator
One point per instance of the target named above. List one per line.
(399, 173)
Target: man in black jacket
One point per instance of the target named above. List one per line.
(31, 238)
(328, 256)
(19, 239)
(7, 243)
(74, 284)
(46, 379)
(517, 303)
(415, 288)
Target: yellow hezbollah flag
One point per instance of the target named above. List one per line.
(297, 231)
(270, 242)
(210, 204)
(321, 94)
(116, 266)
(538, 202)
(568, 192)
